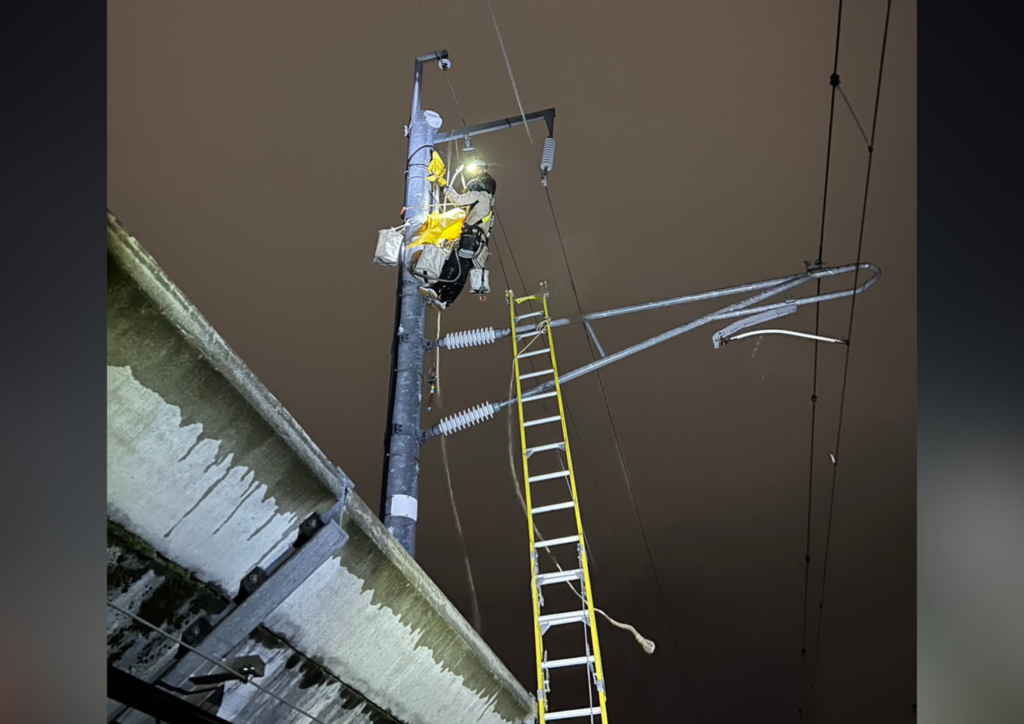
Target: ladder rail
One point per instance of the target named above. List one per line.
(592, 659)
(534, 588)
(598, 665)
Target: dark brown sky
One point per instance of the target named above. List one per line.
(256, 149)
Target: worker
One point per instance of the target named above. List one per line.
(471, 250)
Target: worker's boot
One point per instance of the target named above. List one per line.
(432, 298)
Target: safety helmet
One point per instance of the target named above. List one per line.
(476, 167)
(484, 182)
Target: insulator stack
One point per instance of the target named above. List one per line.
(547, 159)
(462, 420)
(470, 338)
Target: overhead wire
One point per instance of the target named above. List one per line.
(846, 363)
(511, 75)
(814, 379)
(870, 142)
(853, 113)
(579, 308)
(604, 397)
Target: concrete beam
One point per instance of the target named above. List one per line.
(207, 468)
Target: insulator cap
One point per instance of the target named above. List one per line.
(462, 420)
(547, 159)
(470, 338)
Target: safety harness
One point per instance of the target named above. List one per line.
(481, 252)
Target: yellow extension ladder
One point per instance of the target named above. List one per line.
(532, 337)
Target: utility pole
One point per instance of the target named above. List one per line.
(403, 436)
(400, 487)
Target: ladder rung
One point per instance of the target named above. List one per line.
(572, 713)
(541, 421)
(544, 579)
(541, 448)
(531, 333)
(558, 619)
(549, 508)
(548, 476)
(536, 374)
(574, 661)
(524, 355)
(541, 396)
(532, 297)
(529, 316)
(557, 541)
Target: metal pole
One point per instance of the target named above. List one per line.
(402, 459)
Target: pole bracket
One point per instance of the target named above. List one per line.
(261, 591)
(408, 337)
(400, 429)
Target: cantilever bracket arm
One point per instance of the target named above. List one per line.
(548, 116)
(751, 310)
(774, 287)
(743, 308)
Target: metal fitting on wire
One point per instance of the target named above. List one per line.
(462, 420)
(469, 338)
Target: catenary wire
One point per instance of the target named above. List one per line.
(814, 377)
(846, 363)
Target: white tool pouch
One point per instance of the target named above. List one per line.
(430, 263)
(479, 281)
(389, 247)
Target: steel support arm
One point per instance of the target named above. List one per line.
(319, 537)
(548, 116)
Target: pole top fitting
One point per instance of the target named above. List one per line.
(436, 55)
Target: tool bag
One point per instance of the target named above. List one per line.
(389, 247)
(430, 262)
(479, 281)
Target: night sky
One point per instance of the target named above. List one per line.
(255, 149)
